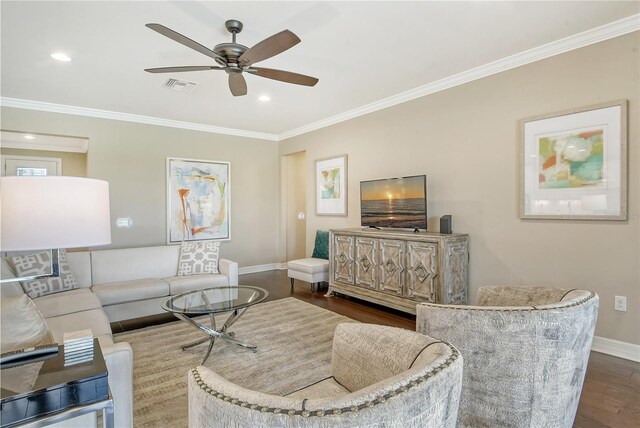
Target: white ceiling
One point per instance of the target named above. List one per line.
(362, 52)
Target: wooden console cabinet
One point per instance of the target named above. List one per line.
(399, 269)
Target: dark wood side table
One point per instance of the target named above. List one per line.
(44, 392)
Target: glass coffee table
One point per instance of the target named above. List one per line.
(211, 301)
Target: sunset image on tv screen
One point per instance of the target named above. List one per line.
(396, 202)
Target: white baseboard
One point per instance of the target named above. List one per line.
(262, 268)
(625, 350)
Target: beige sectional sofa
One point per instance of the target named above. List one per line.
(115, 285)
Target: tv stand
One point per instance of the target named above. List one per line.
(399, 269)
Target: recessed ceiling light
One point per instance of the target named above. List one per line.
(29, 137)
(264, 98)
(60, 57)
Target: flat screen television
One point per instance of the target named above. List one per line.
(394, 202)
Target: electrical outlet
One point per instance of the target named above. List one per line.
(620, 303)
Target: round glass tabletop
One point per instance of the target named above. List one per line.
(214, 300)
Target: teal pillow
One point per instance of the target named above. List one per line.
(321, 247)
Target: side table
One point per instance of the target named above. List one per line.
(45, 392)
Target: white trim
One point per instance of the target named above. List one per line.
(628, 351)
(576, 41)
(262, 268)
(56, 143)
(44, 147)
(127, 117)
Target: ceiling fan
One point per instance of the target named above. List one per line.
(237, 59)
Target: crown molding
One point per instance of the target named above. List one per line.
(576, 41)
(126, 117)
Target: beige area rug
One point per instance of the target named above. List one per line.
(294, 340)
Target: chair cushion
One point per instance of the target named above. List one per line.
(326, 388)
(310, 265)
(81, 299)
(130, 291)
(198, 257)
(182, 284)
(21, 324)
(39, 264)
(321, 247)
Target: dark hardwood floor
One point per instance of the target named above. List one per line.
(610, 396)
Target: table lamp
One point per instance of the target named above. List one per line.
(53, 212)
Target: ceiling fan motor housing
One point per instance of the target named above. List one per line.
(231, 51)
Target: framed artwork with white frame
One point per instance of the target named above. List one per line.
(198, 200)
(331, 186)
(574, 164)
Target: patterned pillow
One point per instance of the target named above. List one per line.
(321, 247)
(198, 257)
(39, 264)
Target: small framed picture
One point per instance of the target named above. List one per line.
(574, 164)
(331, 186)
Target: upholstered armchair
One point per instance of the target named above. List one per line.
(380, 377)
(526, 351)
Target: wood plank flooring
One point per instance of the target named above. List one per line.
(611, 392)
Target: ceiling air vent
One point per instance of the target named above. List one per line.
(180, 85)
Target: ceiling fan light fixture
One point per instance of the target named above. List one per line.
(60, 56)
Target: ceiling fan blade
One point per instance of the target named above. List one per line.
(269, 47)
(183, 68)
(237, 84)
(183, 40)
(283, 76)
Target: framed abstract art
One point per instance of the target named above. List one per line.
(198, 200)
(574, 164)
(331, 186)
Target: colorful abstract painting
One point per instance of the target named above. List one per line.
(574, 164)
(331, 186)
(571, 160)
(330, 183)
(198, 200)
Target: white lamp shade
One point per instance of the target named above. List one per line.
(41, 213)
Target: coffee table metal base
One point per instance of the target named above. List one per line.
(214, 333)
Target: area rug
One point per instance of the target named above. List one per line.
(294, 342)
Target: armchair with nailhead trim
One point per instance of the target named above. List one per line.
(380, 376)
(526, 351)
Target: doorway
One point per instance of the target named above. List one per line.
(294, 205)
(30, 165)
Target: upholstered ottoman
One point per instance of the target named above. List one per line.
(316, 268)
(311, 270)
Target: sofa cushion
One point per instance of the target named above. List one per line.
(95, 319)
(310, 265)
(39, 264)
(130, 291)
(198, 257)
(21, 324)
(127, 264)
(81, 299)
(182, 284)
(80, 264)
(9, 289)
(326, 388)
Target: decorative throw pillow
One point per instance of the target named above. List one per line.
(39, 264)
(321, 247)
(21, 324)
(198, 257)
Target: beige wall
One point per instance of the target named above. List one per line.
(294, 194)
(132, 158)
(73, 164)
(466, 140)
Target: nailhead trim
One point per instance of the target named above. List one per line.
(522, 309)
(329, 412)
